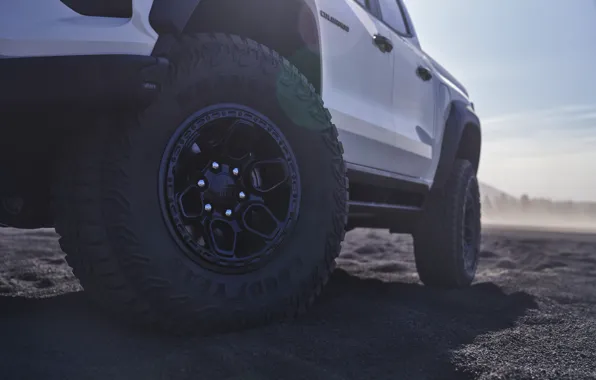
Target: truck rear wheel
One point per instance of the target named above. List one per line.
(447, 240)
(221, 206)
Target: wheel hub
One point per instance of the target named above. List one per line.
(222, 188)
(230, 188)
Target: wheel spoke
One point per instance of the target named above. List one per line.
(190, 162)
(235, 128)
(258, 219)
(210, 141)
(222, 237)
(239, 140)
(190, 203)
(207, 145)
(271, 173)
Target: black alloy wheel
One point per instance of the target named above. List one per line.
(230, 188)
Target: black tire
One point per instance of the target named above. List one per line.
(447, 241)
(110, 214)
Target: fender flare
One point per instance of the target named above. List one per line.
(461, 116)
(171, 16)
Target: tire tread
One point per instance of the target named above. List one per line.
(89, 181)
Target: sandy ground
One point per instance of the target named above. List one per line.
(531, 314)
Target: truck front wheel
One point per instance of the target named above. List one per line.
(221, 206)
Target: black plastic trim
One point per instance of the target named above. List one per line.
(357, 207)
(460, 115)
(101, 8)
(379, 17)
(86, 81)
(381, 178)
(380, 199)
(171, 16)
(397, 219)
(372, 7)
(408, 19)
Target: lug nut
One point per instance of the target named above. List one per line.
(228, 213)
(201, 183)
(235, 171)
(242, 195)
(208, 207)
(215, 166)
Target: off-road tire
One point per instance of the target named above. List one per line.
(439, 238)
(107, 207)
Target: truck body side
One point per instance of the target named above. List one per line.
(73, 54)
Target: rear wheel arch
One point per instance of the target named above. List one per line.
(469, 144)
(462, 139)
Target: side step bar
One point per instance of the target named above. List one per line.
(371, 208)
(396, 218)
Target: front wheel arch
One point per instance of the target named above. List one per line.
(168, 19)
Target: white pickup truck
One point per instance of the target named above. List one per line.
(183, 152)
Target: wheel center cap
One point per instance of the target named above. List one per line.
(222, 188)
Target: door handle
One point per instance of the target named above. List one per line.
(383, 43)
(424, 73)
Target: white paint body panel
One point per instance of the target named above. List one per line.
(375, 98)
(357, 82)
(48, 28)
(380, 131)
(414, 102)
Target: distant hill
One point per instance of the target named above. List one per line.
(493, 193)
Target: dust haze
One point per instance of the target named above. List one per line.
(502, 209)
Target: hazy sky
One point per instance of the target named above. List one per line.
(530, 66)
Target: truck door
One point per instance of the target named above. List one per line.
(358, 81)
(414, 94)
